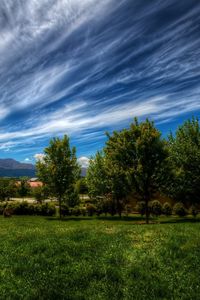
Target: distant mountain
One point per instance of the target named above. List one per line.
(12, 168)
(9, 163)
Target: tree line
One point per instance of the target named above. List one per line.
(139, 160)
(136, 160)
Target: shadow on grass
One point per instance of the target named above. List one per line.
(179, 220)
(66, 219)
(98, 218)
(123, 218)
(130, 220)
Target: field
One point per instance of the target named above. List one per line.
(89, 258)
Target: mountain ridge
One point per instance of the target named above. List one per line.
(10, 167)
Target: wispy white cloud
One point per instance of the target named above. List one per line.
(83, 67)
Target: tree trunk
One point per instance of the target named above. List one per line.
(60, 213)
(119, 210)
(147, 209)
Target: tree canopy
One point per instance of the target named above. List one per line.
(139, 154)
(59, 168)
(184, 149)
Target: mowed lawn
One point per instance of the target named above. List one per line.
(85, 258)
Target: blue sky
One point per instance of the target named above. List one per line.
(83, 67)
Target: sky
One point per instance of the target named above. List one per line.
(84, 67)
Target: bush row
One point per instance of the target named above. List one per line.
(157, 209)
(89, 210)
(49, 209)
(25, 208)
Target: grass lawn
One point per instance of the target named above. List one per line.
(88, 258)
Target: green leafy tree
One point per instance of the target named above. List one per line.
(59, 169)
(167, 209)
(185, 156)
(81, 187)
(140, 154)
(97, 179)
(71, 197)
(7, 188)
(119, 183)
(23, 188)
(40, 193)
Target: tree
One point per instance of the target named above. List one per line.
(97, 179)
(141, 155)
(184, 149)
(40, 193)
(7, 188)
(24, 188)
(71, 197)
(59, 168)
(119, 183)
(81, 186)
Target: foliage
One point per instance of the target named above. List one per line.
(140, 208)
(48, 209)
(7, 212)
(128, 209)
(97, 179)
(193, 211)
(81, 186)
(185, 156)
(25, 208)
(23, 188)
(180, 210)
(167, 209)
(71, 198)
(2, 207)
(83, 211)
(75, 211)
(65, 209)
(140, 156)
(59, 169)
(155, 208)
(91, 209)
(40, 193)
(105, 205)
(7, 188)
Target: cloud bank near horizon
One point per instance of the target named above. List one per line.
(84, 67)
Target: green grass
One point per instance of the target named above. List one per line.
(84, 258)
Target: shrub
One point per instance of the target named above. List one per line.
(25, 208)
(98, 211)
(2, 207)
(193, 211)
(140, 208)
(155, 208)
(7, 212)
(127, 209)
(83, 211)
(65, 210)
(37, 209)
(91, 209)
(72, 198)
(180, 210)
(40, 193)
(76, 211)
(104, 205)
(167, 209)
(48, 209)
(19, 208)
